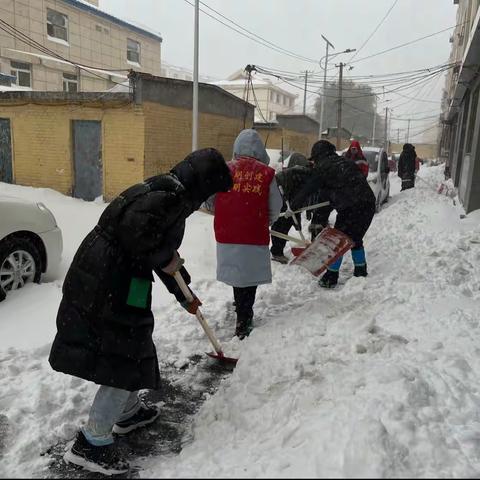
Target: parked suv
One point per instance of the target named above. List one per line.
(30, 243)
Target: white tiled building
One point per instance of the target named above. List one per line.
(272, 99)
(76, 31)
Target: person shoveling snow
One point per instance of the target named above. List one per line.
(242, 219)
(341, 182)
(105, 321)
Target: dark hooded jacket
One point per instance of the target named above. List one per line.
(292, 180)
(105, 322)
(406, 163)
(336, 179)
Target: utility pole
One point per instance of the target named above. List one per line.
(305, 93)
(385, 141)
(398, 136)
(408, 131)
(374, 126)
(339, 113)
(374, 122)
(322, 112)
(195, 78)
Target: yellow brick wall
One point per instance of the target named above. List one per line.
(292, 141)
(168, 135)
(272, 137)
(42, 145)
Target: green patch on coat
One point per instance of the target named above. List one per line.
(139, 292)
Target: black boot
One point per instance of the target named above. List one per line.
(360, 271)
(329, 279)
(145, 415)
(244, 327)
(104, 459)
(280, 259)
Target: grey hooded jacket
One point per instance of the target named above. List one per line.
(240, 265)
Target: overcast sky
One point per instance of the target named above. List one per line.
(297, 25)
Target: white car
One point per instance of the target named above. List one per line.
(30, 243)
(378, 177)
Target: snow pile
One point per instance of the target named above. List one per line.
(377, 378)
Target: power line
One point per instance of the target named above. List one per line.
(255, 35)
(252, 36)
(374, 32)
(407, 86)
(406, 44)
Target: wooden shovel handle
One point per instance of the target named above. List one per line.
(208, 331)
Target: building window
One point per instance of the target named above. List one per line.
(57, 25)
(272, 96)
(133, 51)
(473, 120)
(285, 100)
(70, 83)
(22, 73)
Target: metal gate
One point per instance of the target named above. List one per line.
(6, 170)
(87, 154)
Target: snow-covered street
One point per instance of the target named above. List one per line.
(378, 378)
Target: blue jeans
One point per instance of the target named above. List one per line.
(111, 405)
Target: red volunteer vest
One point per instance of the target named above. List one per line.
(241, 215)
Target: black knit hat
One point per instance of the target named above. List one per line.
(322, 148)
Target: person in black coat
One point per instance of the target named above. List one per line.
(290, 180)
(406, 166)
(341, 182)
(105, 321)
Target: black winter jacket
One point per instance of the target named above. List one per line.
(105, 322)
(292, 180)
(338, 180)
(406, 163)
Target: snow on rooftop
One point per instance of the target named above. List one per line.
(135, 23)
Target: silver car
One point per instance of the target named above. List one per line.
(30, 243)
(378, 177)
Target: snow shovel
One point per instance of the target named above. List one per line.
(296, 251)
(218, 355)
(327, 247)
(310, 207)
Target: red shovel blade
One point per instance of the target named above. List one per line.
(296, 251)
(222, 358)
(327, 247)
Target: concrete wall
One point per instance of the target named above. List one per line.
(87, 45)
(42, 145)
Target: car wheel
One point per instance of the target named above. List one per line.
(377, 204)
(20, 263)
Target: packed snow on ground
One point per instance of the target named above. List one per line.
(377, 378)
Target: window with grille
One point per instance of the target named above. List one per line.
(133, 51)
(70, 83)
(57, 25)
(22, 73)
